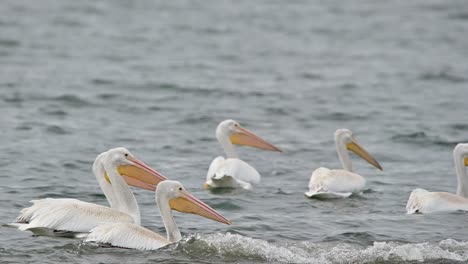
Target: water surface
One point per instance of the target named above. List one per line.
(80, 77)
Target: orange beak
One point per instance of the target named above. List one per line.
(361, 152)
(192, 205)
(246, 138)
(140, 175)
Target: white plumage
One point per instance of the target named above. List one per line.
(232, 172)
(48, 215)
(425, 202)
(68, 214)
(325, 183)
(127, 235)
(134, 236)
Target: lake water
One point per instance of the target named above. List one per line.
(80, 77)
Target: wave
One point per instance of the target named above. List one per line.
(421, 138)
(72, 100)
(235, 247)
(443, 75)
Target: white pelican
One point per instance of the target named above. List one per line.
(113, 170)
(232, 172)
(326, 183)
(424, 202)
(128, 235)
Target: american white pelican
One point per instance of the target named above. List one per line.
(326, 183)
(168, 195)
(424, 202)
(232, 172)
(113, 170)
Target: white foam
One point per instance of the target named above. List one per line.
(237, 247)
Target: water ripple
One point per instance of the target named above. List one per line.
(9, 43)
(57, 130)
(421, 138)
(443, 75)
(72, 100)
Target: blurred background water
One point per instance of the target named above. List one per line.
(80, 77)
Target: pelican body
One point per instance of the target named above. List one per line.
(327, 183)
(114, 169)
(168, 194)
(232, 172)
(425, 202)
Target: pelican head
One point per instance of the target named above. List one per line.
(135, 172)
(345, 139)
(183, 201)
(460, 153)
(238, 135)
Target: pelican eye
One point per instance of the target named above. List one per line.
(126, 154)
(180, 188)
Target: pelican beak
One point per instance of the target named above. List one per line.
(246, 138)
(188, 203)
(465, 160)
(140, 175)
(361, 152)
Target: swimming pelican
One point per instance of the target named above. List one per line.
(130, 235)
(114, 169)
(424, 202)
(326, 183)
(232, 172)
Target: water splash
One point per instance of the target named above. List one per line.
(233, 247)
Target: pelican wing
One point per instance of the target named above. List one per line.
(241, 170)
(126, 235)
(424, 202)
(67, 215)
(231, 173)
(215, 165)
(335, 181)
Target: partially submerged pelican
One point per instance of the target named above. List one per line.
(114, 169)
(424, 202)
(232, 172)
(327, 183)
(169, 195)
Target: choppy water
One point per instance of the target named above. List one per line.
(80, 77)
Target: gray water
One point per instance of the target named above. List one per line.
(80, 77)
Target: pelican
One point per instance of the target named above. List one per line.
(114, 169)
(424, 202)
(168, 193)
(326, 183)
(232, 172)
